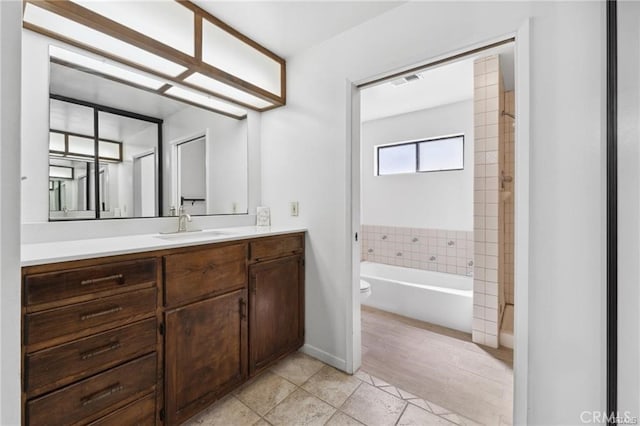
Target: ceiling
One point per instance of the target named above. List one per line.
(289, 27)
(437, 86)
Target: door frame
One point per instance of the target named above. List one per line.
(137, 157)
(173, 147)
(522, 49)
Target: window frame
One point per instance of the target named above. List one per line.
(417, 143)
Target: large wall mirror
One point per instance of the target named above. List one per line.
(121, 151)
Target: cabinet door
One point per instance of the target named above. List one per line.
(276, 310)
(205, 353)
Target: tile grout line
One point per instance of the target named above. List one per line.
(406, 404)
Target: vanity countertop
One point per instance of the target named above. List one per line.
(63, 251)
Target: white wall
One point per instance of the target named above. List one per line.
(10, 24)
(305, 146)
(440, 200)
(628, 206)
(227, 151)
(35, 127)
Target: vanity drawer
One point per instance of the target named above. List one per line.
(89, 397)
(276, 247)
(211, 271)
(58, 366)
(60, 325)
(140, 413)
(56, 286)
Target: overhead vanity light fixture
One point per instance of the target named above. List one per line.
(76, 60)
(100, 66)
(206, 101)
(175, 40)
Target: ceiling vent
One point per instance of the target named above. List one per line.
(406, 79)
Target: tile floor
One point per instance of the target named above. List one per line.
(439, 364)
(301, 390)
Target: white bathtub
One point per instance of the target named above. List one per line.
(434, 297)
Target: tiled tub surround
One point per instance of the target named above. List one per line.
(487, 108)
(438, 250)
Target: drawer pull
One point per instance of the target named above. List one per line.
(99, 351)
(101, 394)
(118, 277)
(101, 313)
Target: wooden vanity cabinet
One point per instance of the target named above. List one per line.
(276, 299)
(155, 338)
(206, 342)
(91, 344)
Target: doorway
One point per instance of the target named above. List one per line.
(144, 187)
(383, 243)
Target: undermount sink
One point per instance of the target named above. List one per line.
(193, 234)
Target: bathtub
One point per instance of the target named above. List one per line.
(434, 297)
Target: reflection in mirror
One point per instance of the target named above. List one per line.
(128, 188)
(70, 191)
(153, 153)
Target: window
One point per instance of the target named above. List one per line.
(427, 155)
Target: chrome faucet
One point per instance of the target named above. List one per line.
(183, 218)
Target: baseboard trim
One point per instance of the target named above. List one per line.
(325, 357)
(506, 340)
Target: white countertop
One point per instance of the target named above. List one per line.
(63, 251)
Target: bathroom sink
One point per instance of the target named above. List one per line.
(193, 235)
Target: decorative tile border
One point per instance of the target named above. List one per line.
(426, 405)
(438, 250)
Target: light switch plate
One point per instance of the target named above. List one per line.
(293, 208)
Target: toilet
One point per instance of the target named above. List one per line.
(365, 289)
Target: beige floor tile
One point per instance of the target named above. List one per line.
(331, 385)
(415, 416)
(300, 409)
(228, 411)
(262, 422)
(420, 403)
(264, 393)
(341, 419)
(438, 409)
(460, 420)
(297, 368)
(406, 395)
(392, 390)
(373, 406)
(363, 376)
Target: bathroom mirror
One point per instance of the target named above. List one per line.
(153, 154)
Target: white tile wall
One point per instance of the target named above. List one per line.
(508, 158)
(486, 293)
(441, 250)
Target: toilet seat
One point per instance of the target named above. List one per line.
(365, 289)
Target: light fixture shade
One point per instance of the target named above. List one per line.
(105, 68)
(231, 55)
(176, 41)
(165, 21)
(74, 31)
(216, 86)
(56, 141)
(60, 172)
(206, 101)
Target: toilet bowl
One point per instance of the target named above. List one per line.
(365, 289)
